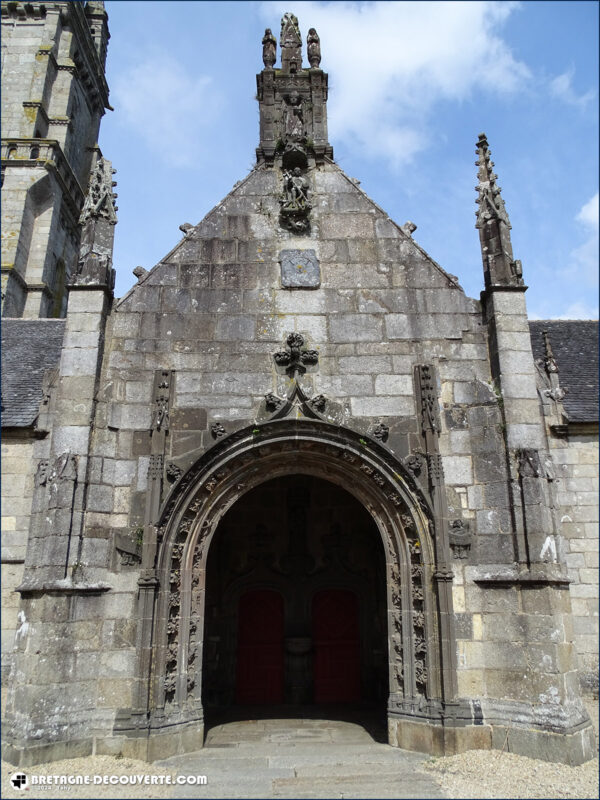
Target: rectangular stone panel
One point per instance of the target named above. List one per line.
(300, 269)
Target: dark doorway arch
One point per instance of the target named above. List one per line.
(295, 608)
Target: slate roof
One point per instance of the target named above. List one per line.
(29, 348)
(575, 347)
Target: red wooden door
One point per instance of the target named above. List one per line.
(259, 676)
(337, 650)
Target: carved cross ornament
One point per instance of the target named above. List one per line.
(296, 358)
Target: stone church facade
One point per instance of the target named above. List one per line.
(295, 464)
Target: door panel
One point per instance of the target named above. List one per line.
(259, 676)
(337, 649)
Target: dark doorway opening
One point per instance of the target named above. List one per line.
(295, 615)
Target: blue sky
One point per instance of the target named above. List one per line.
(412, 84)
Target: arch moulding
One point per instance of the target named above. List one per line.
(423, 710)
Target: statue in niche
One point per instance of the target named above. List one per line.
(294, 120)
(313, 48)
(295, 187)
(269, 44)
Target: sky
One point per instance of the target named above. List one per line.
(412, 84)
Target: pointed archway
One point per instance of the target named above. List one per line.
(421, 672)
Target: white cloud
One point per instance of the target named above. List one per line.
(583, 260)
(167, 106)
(390, 63)
(562, 88)
(588, 214)
(580, 311)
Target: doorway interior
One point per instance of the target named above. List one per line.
(295, 613)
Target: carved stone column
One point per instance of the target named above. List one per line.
(443, 575)
(148, 582)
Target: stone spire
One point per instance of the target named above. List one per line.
(499, 267)
(291, 44)
(98, 218)
(292, 100)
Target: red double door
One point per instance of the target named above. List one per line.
(260, 661)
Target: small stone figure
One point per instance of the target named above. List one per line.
(294, 122)
(295, 188)
(313, 48)
(269, 44)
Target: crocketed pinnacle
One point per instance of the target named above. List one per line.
(490, 202)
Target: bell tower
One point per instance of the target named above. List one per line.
(54, 95)
(292, 100)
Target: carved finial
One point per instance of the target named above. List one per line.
(493, 224)
(100, 198)
(409, 228)
(291, 43)
(313, 48)
(269, 44)
(550, 364)
(490, 202)
(139, 272)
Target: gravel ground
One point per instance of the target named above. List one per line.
(494, 774)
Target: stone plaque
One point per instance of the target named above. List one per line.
(300, 269)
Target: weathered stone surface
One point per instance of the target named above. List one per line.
(419, 400)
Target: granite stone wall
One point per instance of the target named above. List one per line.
(17, 494)
(577, 495)
(209, 319)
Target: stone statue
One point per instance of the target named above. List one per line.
(313, 48)
(294, 122)
(295, 188)
(269, 44)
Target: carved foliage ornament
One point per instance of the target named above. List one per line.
(381, 432)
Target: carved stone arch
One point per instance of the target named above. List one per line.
(420, 638)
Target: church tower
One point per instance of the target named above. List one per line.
(54, 96)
